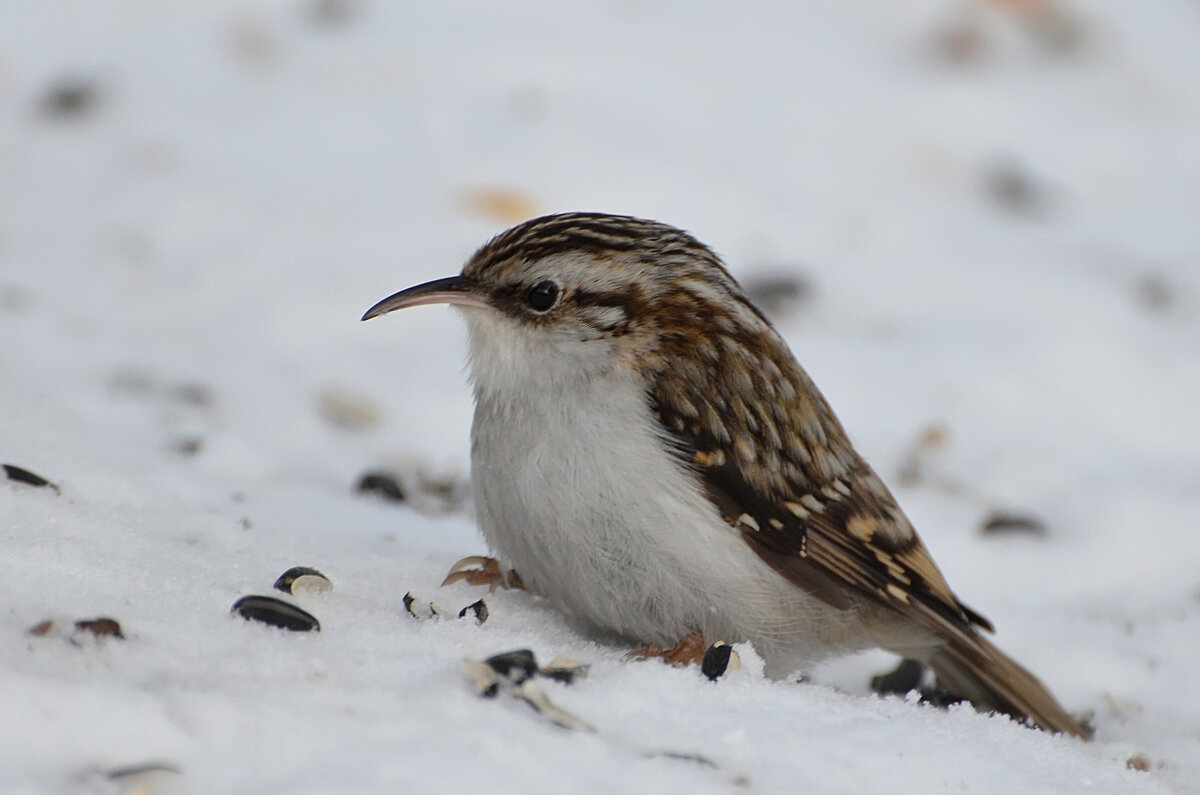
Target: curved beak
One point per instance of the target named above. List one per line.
(452, 290)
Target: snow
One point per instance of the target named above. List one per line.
(994, 203)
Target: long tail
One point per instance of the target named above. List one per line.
(971, 666)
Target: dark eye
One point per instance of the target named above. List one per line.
(542, 295)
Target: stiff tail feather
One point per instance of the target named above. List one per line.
(972, 667)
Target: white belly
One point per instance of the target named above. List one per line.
(581, 498)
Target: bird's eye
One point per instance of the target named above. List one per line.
(542, 295)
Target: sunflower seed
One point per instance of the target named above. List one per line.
(275, 612)
(22, 475)
(300, 580)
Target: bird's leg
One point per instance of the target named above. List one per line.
(488, 573)
(689, 650)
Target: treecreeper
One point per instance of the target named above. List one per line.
(648, 454)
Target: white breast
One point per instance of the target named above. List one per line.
(576, 491)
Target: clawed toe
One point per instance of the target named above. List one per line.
(487, 573)
(688, 651)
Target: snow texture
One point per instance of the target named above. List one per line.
(990, 210)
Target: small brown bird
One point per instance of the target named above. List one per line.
(647, 453)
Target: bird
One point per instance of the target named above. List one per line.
(648, 454)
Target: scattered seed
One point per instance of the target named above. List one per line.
(483, 676)
(682, 756)
(499, 204)
(101, 627)
(381, 483)
(276, 613)
(422, 611)
(716, 660)
(70, 97)
(1005, 523)
(41, 628)
(1138, 762)
(303, 580)
(1153, 292)
(1014, 188)
(565, 670)
(531, 694)
(480, 609)
(514, 671)
(514, 666)
(22, 475)
(187, 446)
(141, 769)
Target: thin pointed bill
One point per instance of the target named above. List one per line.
(452, 290)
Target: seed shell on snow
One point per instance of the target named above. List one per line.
(276, 613)
(101, 627)
(513, 666)
(717, 659)
(1139, 762)
(382, 484)
(479, 609)
(565, 670)
(40, 629)
(682, 756)
(420, 610)
(483, 676)
(21, 475)
(1011, 523)
(531, 694)
(141, 774)
(302, 580)
(514, 671)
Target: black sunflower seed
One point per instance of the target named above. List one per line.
(716, 660)
(480, 609)
(101, 627)
(516, 666)
(383, 484)
(22, 475)
(275, 612)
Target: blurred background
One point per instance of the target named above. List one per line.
(221, 188)
(975, 221)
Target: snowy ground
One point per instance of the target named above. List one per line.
(994, 207)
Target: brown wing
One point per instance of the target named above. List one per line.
(776, 462)
(844, 540)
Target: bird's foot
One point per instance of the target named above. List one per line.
(689, 650)
(488, 573)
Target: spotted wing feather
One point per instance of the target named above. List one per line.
(774, 460)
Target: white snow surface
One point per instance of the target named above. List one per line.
(995, 205)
